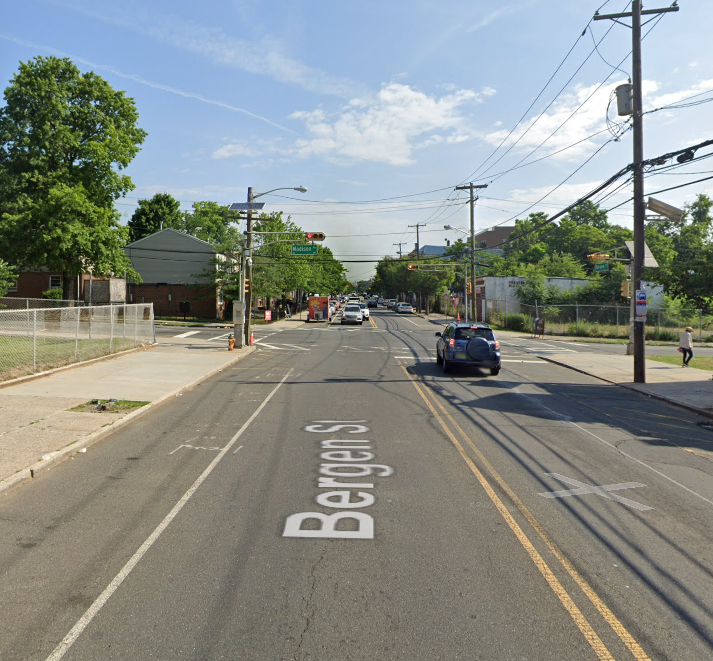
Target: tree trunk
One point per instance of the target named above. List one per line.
(67, 286)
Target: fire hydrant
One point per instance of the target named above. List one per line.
(231, 342)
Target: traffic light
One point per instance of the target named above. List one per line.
(413, 267)
(626, 288)
(469, 287)
(314, 236)
(247, 285)
(597, 256)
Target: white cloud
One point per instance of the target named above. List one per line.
(385, 129)
(674, 97)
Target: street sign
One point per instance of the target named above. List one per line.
(304, 249)
(601, 266)
(641, 305)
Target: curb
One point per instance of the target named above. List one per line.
(70, 450)
(633, 388)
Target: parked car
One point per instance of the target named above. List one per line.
(365, 310)
(404, 308)
(352, 314)
(471, 345)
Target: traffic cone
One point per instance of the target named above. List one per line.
(252, 338)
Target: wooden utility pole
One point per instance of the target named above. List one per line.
(471, 187)
(639, 204)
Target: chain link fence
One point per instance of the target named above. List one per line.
(597, 320)
(36, 340)
(17, 303)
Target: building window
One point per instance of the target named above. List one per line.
(55, 282)
(12, 286)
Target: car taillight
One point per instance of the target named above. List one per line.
(451, 343)
(497, 344)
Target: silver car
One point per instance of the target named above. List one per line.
(352, 314)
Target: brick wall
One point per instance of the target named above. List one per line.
(166, 299)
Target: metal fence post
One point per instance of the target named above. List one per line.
(34, 340)
(617, 322)
(136, 321)
(111, 327)
(700, 325)
(78, 312)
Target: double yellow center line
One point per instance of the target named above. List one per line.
(442, 415)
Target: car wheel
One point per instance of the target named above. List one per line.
(361, 323)
(342, 322)
(494, 371)
(445, 364)
(438, 357)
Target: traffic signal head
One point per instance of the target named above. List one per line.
(413, 267)
(314, 236)
(626, 288)
(469, 287)
(247, 285)
(598, 256)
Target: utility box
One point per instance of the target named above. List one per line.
(625, 99)
(238, 323)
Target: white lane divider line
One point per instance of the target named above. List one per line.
(84, 621)
(187, 334)
(281, 347)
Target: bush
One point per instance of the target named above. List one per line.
(53, 294)
(517, 322)
(663, 334)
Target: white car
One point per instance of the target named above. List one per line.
(364, 310)
(352, 314)
(404, 308)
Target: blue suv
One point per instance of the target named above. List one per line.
(473, 345)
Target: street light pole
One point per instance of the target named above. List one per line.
(249, 250)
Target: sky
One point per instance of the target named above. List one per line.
(382, 108)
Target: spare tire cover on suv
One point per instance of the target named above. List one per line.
(478, 348)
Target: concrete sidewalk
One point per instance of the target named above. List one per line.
(37, 428)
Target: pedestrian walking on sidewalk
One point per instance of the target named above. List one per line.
(685, 346)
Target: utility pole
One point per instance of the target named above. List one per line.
(418, 243)
(470, 187)
(248, 286)
(418, 254)
(399, 245)
(639, 204)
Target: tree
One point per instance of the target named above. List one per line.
(210, 222)
(7, 277)
(65, 137)
(160, 212)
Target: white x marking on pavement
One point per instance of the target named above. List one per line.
(603, 491)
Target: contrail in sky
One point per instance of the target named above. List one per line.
(148, 83)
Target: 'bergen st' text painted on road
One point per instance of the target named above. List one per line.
(342, 476)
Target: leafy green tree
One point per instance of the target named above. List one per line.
(210, 222)
(162, 211)
(7, 277)
(65, 138)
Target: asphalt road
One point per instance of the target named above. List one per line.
(191, 533)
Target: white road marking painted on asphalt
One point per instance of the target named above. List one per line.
(187, 334)
(84, 621)
(240, 448)
(281, 347)
(514, 360)
(193, 447)
(220, 337)
(602, 491)
(621, 452)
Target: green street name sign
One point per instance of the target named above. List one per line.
(602, 266)
(304, 249)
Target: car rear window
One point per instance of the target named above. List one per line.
(352, 308)
(470, 333)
